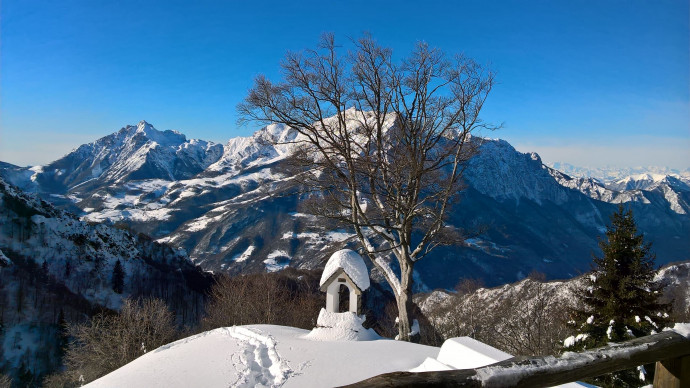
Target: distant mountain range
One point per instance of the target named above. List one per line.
(230, 208)
(610, 175)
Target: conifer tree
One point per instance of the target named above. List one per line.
(619, 299)
(118, 279)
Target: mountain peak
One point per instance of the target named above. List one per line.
(143, 126)
(165, 138)
(147, 129)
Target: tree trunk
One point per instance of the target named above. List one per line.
(403, 316)
(404, 301)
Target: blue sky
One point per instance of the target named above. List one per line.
(591, 83)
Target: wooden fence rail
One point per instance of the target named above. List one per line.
(669, 347)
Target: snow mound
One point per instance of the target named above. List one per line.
(468, 353)
(682, 329)
(431, 365)
(353, 265)
(229, 356)
(345, 326)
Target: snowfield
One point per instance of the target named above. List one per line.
(279, 356)
(264, 356)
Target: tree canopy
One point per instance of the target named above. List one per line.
(384, 143)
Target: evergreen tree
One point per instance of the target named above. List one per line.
(25, 377)
(118, 279)
(619, 298)
(45, 273)
(68, 269)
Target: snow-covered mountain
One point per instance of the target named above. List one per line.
(233, 209)
(133, 153)
(55, 268)
(611, 174)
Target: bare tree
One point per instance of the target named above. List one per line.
(527, 318)
(110, 341)
(262, 298)
(385, 144)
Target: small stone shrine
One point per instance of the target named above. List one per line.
(344, 279)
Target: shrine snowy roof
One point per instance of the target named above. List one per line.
(351, 263)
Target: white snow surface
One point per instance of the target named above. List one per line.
(345, 326)
(264, 356)
(468, 353)
(353, 265)
(277, 260)
(244, 255)
(682, 329)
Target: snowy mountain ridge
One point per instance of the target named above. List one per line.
(134, 152)
(230, 206)
(265, 146)
(608, 175)
(674, 276)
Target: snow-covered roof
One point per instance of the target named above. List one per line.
(351, 263)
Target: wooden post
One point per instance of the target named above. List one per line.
(672, 373)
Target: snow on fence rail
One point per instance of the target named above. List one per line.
(669, 347)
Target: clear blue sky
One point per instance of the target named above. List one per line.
(586, 82)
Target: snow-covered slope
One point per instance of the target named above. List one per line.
(55, 268)
(276, 356)
(32, 228)
(503, 173)
(264, 356)
(267, 145)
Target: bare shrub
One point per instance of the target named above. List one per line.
(529, 322)
(525, 319)
(110, 341)
(5, 381)
(289, 298)
(59, 380)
